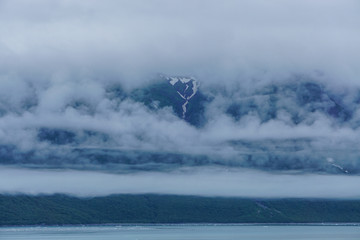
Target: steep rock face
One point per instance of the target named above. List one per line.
(193, 100)
(182, 94)
(158, 95)
(186, 88)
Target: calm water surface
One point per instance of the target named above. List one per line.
(184, 232)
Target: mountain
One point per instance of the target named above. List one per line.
(62, 209)
(297, 124)
(175, 124)
(298, 99)
(182, 94)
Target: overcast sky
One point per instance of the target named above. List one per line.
(210, 39)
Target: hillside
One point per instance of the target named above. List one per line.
(61, 209)
(299, 124)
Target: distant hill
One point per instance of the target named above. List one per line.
(61, 209)
(297, 102)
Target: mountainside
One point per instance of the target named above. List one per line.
(179, 93)
(61, 209)
(172, 122)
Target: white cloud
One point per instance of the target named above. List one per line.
(206, 182)
(61, 53)
(213, 40)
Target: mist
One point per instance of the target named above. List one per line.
(227, 42)
(279, 95)
(206, 182)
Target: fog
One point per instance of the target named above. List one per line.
(130, 40)
(208, 182)
(69, 69)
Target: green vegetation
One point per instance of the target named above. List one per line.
(61, 209)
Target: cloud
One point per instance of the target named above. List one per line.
(67, 69)
(80, 124)
(226, 41)
(206, 182)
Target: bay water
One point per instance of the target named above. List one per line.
(185, 232)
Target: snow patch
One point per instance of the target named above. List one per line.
(173, 80)
(339, 167)
(184, 109)
(181, 95)
(186, 81)
(194, 88)
(332, 163)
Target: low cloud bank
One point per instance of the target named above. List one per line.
(201, 182)
(293, 125)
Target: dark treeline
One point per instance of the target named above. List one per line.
(62, 209)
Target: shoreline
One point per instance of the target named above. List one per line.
(331, 224)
